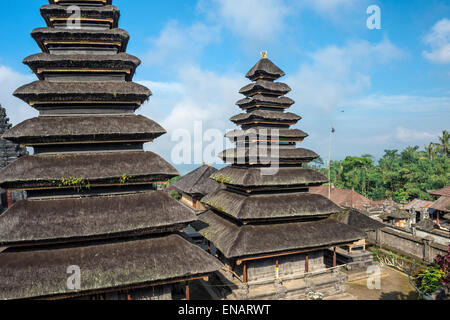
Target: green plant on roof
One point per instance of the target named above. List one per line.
(223, 179)
(76, 183)
(124, 179)
(115, 94)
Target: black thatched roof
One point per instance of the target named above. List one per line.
(265, 115)
(243, 155)
(265, 69)
(236, 241)
(357, 219)
(442, 204)
(396, 214)
(122, 265)
(267, 133)
(266, 87)
(97, 12)
(265, 101)
(82, 61)
(45, 35)
(82, 2)
(31, 222)
(45, 91)
(198, 182)
(48, 170)
(254, 177)
(84, 128)
(270, 206)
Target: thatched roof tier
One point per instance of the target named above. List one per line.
(265, 69)
(265, 116)
(263, 134)
(268, 155)
(47, 171)
(82, 2)
(238, 241)
(270, 206)
(48, 38)
(198, 182)
(44, 63)
(260, 101)
(52, 130)
(442, 204)
(57, 13)
(265, 87)
(105, 267)
(37, 222)
(444, 192)
(250, 178)
(41, 92)
(396, 214)
(357, 219)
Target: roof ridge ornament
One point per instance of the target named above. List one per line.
(263, 54)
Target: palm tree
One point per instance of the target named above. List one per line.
(444, 142)
(431, 151)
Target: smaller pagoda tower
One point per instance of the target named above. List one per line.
(9, 152)
(276, 238)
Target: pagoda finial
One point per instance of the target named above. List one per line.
(263, 54)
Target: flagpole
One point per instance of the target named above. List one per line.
(329, 165)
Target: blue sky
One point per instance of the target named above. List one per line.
(393, 84)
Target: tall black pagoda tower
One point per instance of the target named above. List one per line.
(92, 211)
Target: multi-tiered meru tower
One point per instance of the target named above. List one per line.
(8, 151)
(266, 225)
(93, 225)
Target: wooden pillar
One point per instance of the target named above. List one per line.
(245, 272)
(307, 263)
(334, 257)
(188, 292)
(277, 268)
(9, 199)
(209, 246)
(438, 221)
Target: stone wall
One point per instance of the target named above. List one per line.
(288, 265)
(406, 243)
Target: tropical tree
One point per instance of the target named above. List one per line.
(444, 144)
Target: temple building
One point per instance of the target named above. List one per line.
(196, 185)
(275, 237)
(8, 153)
(93, 225)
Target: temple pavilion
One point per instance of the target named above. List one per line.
(275, 237)
(93, 225)
(195, 185)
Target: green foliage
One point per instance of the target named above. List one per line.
(429, 280)
(404, 175)
(175, 195)
(124, 179)
(76, 183)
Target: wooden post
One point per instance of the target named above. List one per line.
(9, 199)
(437, 221)
(188, 293)
(334, 257)
(277, 268)
(307, 263)
(209, 246)
(245, 272)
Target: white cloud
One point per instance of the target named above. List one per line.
(336, 74)
(255, 20)
(178, 43)
(326, 6)
(411, 135)
(439, 41)
(16, 109)
(402, 103)
(196, 95)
